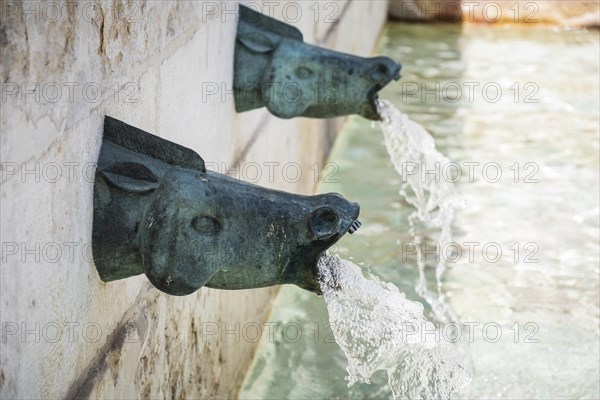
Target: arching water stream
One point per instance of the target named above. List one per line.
(419, 164)
(375, 325)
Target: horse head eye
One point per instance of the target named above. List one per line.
(303, 72)
(206, 225)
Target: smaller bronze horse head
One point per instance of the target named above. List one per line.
(275, 68)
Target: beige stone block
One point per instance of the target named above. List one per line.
(148, 64)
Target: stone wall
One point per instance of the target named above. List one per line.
(165, 67)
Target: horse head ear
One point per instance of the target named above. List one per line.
(132, 177)
(257, 42)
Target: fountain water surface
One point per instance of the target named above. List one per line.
(544, 304)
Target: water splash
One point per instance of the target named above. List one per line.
(374, 323)
(379, 329)
(414, 156)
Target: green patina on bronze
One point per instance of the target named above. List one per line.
(275, 68)
(158, 211)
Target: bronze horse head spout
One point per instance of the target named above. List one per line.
(274, 68)
(158, 211)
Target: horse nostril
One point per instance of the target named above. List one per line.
(380, 72)
(324, 222)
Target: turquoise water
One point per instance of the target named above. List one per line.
(539, 302)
